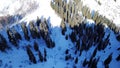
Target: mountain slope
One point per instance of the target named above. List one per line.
(66, 53)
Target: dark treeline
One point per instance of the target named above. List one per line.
(85, 36)
(35, 30)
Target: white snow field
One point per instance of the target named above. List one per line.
(108, 8)
(31, 9)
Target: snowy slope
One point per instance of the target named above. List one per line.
(18, 58)
(13, 7)
(108, 8)
(46, 11)
(30, 9)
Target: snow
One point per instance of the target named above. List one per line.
(18, 57)
(108, 8)
(56, 56)
(13, 7)
(46, 11)
(30, 10)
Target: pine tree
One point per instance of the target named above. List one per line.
(3, 43)
(31, 55)
(38, 21)
(25, 31)
(45, 54)
(33, 30)
(76, 60)
(43, 30)
(63, 26)
(11, 37)
(49, 42)
(16, 34)
(40, 56)
(85, 62)
(108, 60)
(118, 37)
(118, 58)
(36, 47)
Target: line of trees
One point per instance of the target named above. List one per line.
(84, 37)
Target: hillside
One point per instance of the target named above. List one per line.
(36, 34)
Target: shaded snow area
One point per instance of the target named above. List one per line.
(108, 8)
(85, 46)
(71, 50)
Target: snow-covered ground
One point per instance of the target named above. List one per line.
(13, 7)
(108, 8)
(30, 9)
(46, 11)
(18, 58)
(33, 8)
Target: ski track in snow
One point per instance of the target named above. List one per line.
(55, 57)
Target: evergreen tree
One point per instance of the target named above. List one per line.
(45, 54)
(25, 31)
(3, 43)
(40, 56)
(36, 47)
(31, 55)
(11, 37)
(108, 60)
